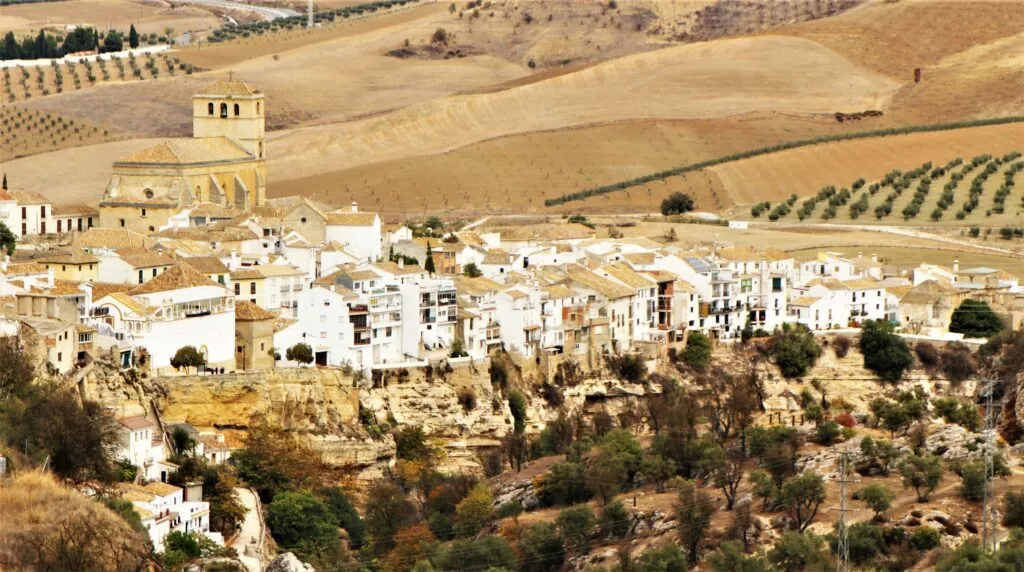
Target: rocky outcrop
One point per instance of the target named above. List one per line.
(288, 562)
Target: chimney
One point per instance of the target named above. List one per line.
(874, 259)
(401, 262)
(956, 266)
(355, 207)
(234, 259)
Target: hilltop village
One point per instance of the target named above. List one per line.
(187, 271)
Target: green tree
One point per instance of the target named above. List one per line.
(300, 352)
(472, 270)
(183, 442)
(676, 203)
(731, 558)
(411, 444)
(542, 548)
(429, 264)
(564, 483)
(387, 511)
(668, 558)
(975, 319)
(925, 538)
(725, 470)
(657, 469)
(614, 520)
(885, 353)
(694, 510)
(878, 498)
(605, 473)
(576, 524)
(186, 357)
(474, 512)
(973, 480)
(698, 350)
(113, 42)
(1013, 510)
(8, 241)
(300, 522)
(479, 555)
(795, 350)
(922, 473)
(133, 37)
(802, 497)
(796, 552)
(517, 404)
(345, 513)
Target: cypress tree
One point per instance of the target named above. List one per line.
(133, 37)
(429, 265)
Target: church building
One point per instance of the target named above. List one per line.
(223, 163)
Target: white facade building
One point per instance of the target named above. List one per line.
(358, 232)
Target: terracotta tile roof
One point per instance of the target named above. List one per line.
(211, 443)
(804, 301)
(830, 283)
(131, 303)
(102, 289)
(862, 284)
(283, 323)
(63, 288)
(215, 233)
(213, 210)
(206, 264)
(497, 256)
(136, 422)
(393, 268)
(516, 294)
(623, 273)
(246, 273)
(546, 231)
(898, 291)
(350, 219)
(75, 210)
(640, 258)
(475, 286)
(362, 274)
(24, 269)
(189, 151)
(176, 277)
(557, 291)
(97, 237)
(133, 492)
(927, 292)
(334, 246)
(70, 256)
(28, 197)
(228, 87)
(5, 195)
(147, 259)
(248, 312)
(162, 489)
(592, 281)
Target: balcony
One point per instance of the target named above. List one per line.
(493, 333)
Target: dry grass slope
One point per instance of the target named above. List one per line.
(44, 526)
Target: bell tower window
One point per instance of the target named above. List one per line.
(236, 110)
(223, 110)
(209, 108)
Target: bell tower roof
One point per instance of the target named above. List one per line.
(228, 88)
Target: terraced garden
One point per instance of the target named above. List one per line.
(26, 82)
(980, 190)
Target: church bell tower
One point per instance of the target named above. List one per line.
(234, 110)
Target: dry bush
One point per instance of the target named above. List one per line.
(467, 398)
(841, 346)
(927, 353)
(957, 363)
(44, 526)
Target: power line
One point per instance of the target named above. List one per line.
(988, 511)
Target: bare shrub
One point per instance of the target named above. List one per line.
(467, 398)
(841, 346)
(957, 363)
(927, 354)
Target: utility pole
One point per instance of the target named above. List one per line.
(309, 14)
(843, 547)
(988, 508)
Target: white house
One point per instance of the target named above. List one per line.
(867, 299)
(142, 445)
(608, 301)
(811, 311)
(163, 510)
(32, 215)
(130, 267)
(518, 314)
(177, 308)
(359, 232)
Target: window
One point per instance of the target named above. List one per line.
(42, 211)
(90, 222)
(238, 288)
(143, 212)
(24, 213)
(209, 109)
(24, 229)
(154, 273)
(261, 149)
(252, 287)
(257, 108)
(387, 331)
(223, 110)
(237, 110)
(79, 225)
(140, 277)
(42, 228)
(63, 267)
(60, 356)
(240, 348)
(263, 346)
(58, 226)
(122, 222)
(220, 280)
(323, 335)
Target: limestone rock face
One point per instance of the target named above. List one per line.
(319, 401)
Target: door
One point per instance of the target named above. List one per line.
(321, 359)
